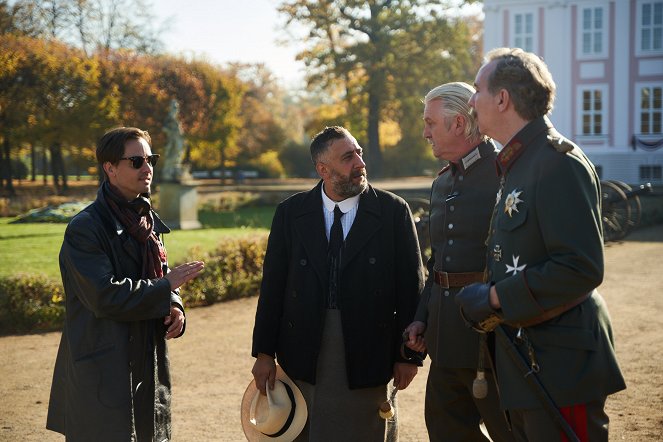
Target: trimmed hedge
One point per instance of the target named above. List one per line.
(32, 303)
(233, 270)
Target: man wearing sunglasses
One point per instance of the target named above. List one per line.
(111, 379)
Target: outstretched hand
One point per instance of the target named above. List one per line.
(184, 273)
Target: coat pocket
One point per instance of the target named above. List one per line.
(510, 221)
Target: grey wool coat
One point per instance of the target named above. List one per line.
(113, 335)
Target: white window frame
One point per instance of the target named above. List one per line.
(580, 112)
(638, 29)
(580, 46)
(638, 111)
(535, 29)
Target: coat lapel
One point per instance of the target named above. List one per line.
(366, 224)
(310, 227)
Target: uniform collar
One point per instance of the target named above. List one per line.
(471, 158)
(517, 145)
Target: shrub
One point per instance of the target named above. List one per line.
(30, 303)
(232, 271)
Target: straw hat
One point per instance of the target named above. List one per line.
(279, 416)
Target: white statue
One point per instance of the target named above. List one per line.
(172, 170)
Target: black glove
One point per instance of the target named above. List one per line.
(474, 302)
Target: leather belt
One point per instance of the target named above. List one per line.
(447, 280)
(549, 314)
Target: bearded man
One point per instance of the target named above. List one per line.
(341, 281)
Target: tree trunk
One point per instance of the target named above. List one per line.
(44, 167)
(223, 164)
(7, 167)
(57, 167)
(33, 162)
(374, 157)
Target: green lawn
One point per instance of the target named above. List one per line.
(34, 247)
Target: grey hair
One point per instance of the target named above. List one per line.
(455, 99)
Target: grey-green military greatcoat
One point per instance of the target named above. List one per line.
(546, 250)
(461, 204)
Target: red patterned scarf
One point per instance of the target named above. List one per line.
(141, 229)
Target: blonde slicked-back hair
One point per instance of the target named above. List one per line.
(455, 99)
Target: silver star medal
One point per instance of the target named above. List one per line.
(515, 268)
(511, 203)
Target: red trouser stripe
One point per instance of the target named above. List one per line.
(576, 416)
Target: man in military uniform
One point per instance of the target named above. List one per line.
(462, 200)
(545, 260)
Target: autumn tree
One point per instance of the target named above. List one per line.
(93, 25)
(362, 46)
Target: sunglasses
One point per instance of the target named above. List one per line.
(137, 162)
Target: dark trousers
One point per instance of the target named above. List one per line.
(588, 421)
(453, 414)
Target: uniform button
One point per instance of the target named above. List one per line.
(371, 260)
(446, 293)
(450, 226)
(448, 259)
(302, 262)
(131, 363)
(290, 324)
(451, 242)
(131, 338)
(452, 208)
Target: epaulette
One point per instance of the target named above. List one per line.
(560, 143)
(444, 169)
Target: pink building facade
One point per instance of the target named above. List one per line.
(606, 57)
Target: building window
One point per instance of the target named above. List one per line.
(592, 106)
(650, 22)
(651, 173)
(592, 32)
(523, 31)
(651, 109)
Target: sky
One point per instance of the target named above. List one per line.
(230, 31)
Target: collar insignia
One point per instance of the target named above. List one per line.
(471, 158)
(509, 154)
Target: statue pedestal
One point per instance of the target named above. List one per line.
(178, 206)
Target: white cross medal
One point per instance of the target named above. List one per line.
(511, 202)
(515, 268)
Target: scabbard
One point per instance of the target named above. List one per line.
(535, 384)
